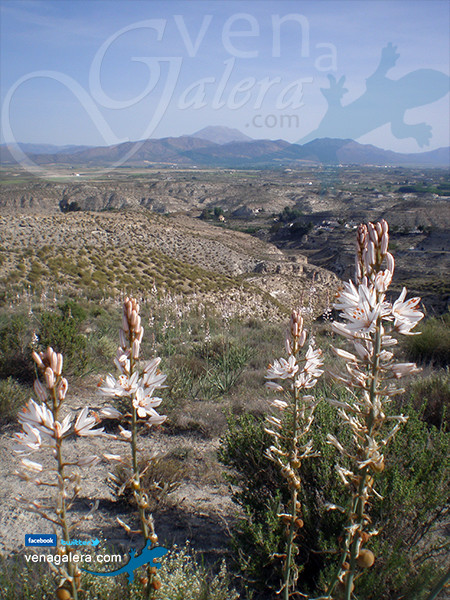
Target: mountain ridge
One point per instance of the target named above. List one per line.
(194, 150)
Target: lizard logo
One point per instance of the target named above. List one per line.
(385, 101)
(147, 555)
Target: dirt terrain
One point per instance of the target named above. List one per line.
(200, 510)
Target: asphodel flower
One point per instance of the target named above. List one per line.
(44, 429)
(289, 426)
(134, 388)
(369, 325)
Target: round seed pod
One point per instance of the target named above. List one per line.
(154, 538)
(299, 523)
(63, 594)
(365, 559)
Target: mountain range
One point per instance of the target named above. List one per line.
(225, 147)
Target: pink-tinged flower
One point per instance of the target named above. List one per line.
(282, 369)
(61, 428)
(361, 315)
(110, 413)
(152, 377)
(313, 362)
(383, 280)
(271, 385)
(143, 403)
(305, 380)
(344, 354)
(405, 314)
(125, 433)
(115, 457)
(40, 390)
(30, 438)
(153, 418)
(84, 424)
(124, 386)
(343, 330)
(37, 416)
(402, 369)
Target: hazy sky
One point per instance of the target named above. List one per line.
(100, 72)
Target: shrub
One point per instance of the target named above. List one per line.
(430, 396)
(12, 397)
(433, 346)
(15, 349)
(161, 476)
(62, 331)
(406, 549)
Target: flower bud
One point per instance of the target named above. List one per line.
(40, 390)
(62, 389)
(49, 378)
(37, 359)
(59, 364)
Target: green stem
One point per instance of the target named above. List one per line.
(61, 502)
(293, 512)
(361, 500)
(137, 491)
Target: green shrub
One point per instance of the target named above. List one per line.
(62, 331)
(433, 345)
(15, 349)
(12, 397)
(414, 484)
(430, 396)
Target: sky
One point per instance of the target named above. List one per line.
(101, 72)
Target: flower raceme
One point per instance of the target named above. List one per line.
(44, 429)
(370, 324)
(289, 424)
(134, 388)
(133, 383)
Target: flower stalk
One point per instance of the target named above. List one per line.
(289, 426)
(370, 326)
(43, 430)
(136, 387)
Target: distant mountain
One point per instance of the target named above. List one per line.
(6, 157)
(221, 135)
(190, 151)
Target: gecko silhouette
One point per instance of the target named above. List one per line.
(384, 102)
(147, 555)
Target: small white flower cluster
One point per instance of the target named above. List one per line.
(131, 383)
(370, 323)
(42, 426)
(302, 374)
(290, 423)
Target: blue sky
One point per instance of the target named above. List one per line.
(99, 72)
